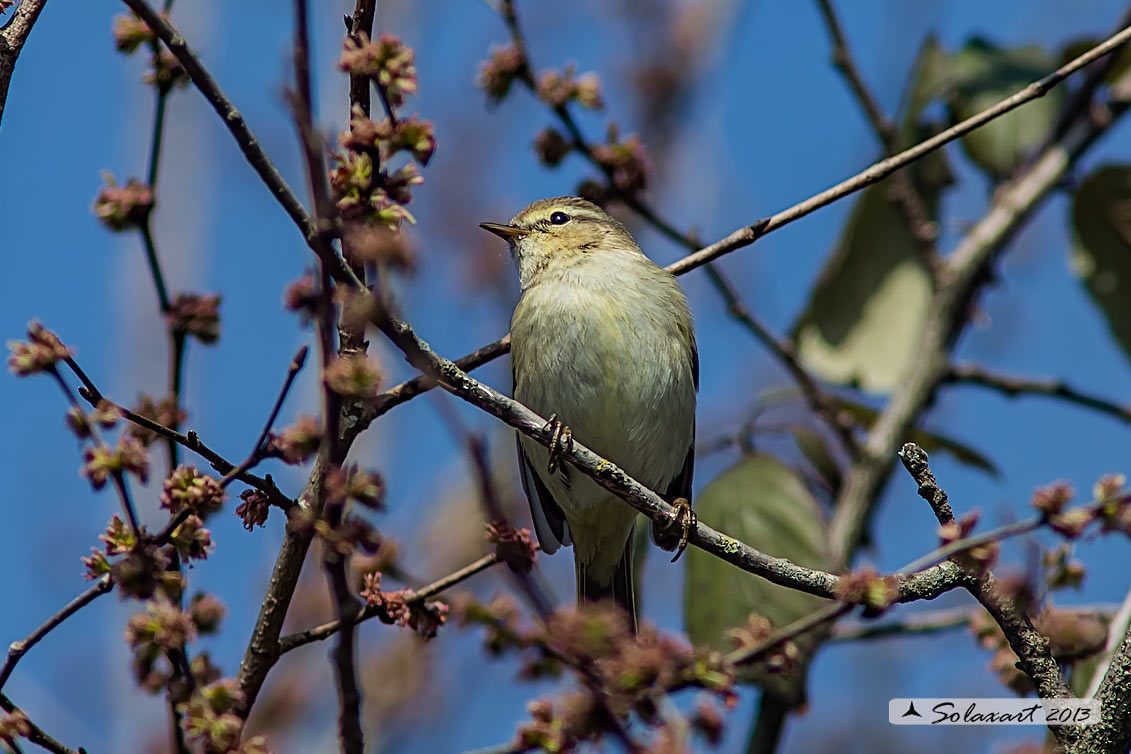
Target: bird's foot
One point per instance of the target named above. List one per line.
(561, 442)
(684, 520)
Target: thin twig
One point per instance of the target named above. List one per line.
(903, 194)
(36, 734)
(256, 454)
(17, 649)
(117, 476)
(913, 625)
(191, 441)
(328, 629)
(1015, 386)
(13, 35)
(800, 626)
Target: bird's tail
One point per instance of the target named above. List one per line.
(619, 590)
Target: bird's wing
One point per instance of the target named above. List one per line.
(549, 521)
(681, 485)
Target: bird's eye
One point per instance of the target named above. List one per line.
(559, 218)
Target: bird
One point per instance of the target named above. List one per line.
(602, 343)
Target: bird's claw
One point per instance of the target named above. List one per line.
(685, 520)
(561, 442)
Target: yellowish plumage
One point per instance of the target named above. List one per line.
(603, 338)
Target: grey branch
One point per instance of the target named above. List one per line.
(1031, 647)
(922, 585)
(18, 649)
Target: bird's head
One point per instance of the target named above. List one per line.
(557, 231)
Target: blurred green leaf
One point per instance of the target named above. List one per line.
(928, 441)
(866, 311)
(1101, 257)
(762, 502)
(985, 75)
(932, 74)
(815, 447)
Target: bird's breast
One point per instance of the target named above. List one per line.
(614, 363)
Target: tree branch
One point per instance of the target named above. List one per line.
(18, 649)
(12, 38)
(191, 441)
(903, 192)
(1031, 647)
(35, 733)
(328, 629)
(960, 278)
(739, 238)
(1014, 387)
(923, 585)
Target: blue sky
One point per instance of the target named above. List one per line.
(768, 124)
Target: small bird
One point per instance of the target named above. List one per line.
(602, 343)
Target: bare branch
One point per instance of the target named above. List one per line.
(903, 192)
(18, 649)
(1015, 387)
(1031, 647)
(12, 38)
(36, 734)
(191, 441)
(326, 630)
(257, 450)
(913, 625)
(932, 582)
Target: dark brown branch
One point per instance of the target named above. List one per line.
(232, 118)
(118, 476)
(257, 450)
(815, 396)
(12, 38)
(36, 734)
(1031, 647)
(191, 441)
(18, 649)
(903, 193)
(1014, 387)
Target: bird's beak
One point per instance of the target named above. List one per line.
(505, 232)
